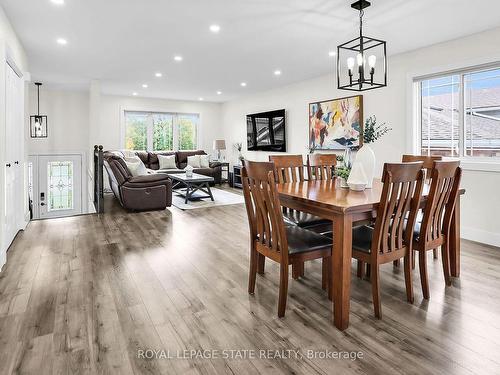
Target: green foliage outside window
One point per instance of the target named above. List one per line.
(163, 133)
(136, 134)
(187, 134)
(136, 137)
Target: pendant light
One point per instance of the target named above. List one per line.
(38, 123)
(362, 62)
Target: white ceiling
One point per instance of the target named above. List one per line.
(124, 42)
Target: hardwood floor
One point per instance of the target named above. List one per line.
(85, 294)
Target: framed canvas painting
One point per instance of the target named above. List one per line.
(336, 124)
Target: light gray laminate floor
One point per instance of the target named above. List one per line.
(84, 294)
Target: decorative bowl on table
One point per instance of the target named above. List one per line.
(357, 186)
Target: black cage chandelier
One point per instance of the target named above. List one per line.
(362, 62)
(38, 122)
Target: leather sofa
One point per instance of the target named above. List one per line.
(152, 191)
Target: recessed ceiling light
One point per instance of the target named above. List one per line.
(58, 2)
(62, 41)
(219, 92)
(214, 28)
(144, 86)
(158, 75)
(201, 99)
(178, 58)
(332, 53)
(134, 94)
(277, 72)
(243, 84)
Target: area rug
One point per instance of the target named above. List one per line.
(221, 198)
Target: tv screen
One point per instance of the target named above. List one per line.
(266, 131)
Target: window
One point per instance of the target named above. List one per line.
(156, 131)
(459, 114)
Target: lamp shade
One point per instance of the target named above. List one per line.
(219, 144)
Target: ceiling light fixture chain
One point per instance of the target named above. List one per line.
(356, 51)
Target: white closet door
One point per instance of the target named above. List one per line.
(13, 156)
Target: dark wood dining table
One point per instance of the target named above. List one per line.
(345, 207)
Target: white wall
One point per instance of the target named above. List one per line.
(67, 118)
(480, 205)
(111, 108)
(10, 50)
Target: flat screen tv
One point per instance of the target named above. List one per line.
(266, 131)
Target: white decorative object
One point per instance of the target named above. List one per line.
(205, 161)
(194, 161)
(136, 166)
(189, 171)
(343, 183)
(167, 161)
(366, 157)
(357, 178)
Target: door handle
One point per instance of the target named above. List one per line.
(7, 165)
(42, 204)
(16, 162)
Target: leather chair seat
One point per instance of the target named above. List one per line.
(362, 238)
(303, 219)
(301, 240)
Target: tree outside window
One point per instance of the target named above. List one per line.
(160, 131)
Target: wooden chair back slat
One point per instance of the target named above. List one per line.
(400, 199)
(321, 166)
(259, 185)
(445, 185)
(288, 168)
(427, 160)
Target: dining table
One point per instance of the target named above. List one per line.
(345, 207)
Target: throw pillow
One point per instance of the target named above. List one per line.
(205, 161)
(194, 161)
(136, 166)
(167, 161)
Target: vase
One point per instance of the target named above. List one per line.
(366, 157)
(343, 183)
(347, 158)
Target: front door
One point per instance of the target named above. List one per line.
(60, 185)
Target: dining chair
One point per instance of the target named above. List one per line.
(270, 237)
(428, 164)
(321, 166)
(390, 238)
(290, 168)
(434, 230)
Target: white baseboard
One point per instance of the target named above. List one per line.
(479, 235)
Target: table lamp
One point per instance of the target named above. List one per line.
(219, 144)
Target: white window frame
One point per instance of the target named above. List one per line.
(487, 164)
(175, 114)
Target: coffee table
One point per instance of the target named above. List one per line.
(196, 182)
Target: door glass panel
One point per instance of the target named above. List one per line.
(60, 185)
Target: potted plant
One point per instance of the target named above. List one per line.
(371, 132)
(343, 174)
(239, 146)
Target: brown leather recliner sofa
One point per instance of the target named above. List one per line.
(152, 191)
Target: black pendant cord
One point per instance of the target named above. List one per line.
(361, 68)
(38, 89)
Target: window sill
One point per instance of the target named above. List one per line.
(480, 165)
